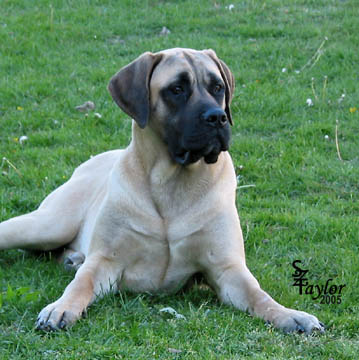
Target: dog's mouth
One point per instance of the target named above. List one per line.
(190, 145)
(210, 154)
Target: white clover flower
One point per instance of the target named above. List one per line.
(309, 102)
(22, 139)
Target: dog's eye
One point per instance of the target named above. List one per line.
(177, 90)
(217, 88)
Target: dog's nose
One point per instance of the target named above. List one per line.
(215, 117)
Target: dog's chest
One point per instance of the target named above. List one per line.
(160, 259)
(157, 275)
(155, 237)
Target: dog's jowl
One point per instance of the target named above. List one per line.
(148, 217)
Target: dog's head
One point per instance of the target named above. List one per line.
(184, 95)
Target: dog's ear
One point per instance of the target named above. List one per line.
(228, 79)
(130, 87)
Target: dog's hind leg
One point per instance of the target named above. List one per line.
(55, 224)
(38, 230)
(60, 216)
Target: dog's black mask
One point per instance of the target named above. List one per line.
(198, 129)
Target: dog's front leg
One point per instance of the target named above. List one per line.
(237, 286)
(95, 277)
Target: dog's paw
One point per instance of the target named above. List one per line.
(73, 260)
(299, 321)
(56, 316)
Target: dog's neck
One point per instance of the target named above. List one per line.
(166, 180)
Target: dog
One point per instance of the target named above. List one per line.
(149, 217)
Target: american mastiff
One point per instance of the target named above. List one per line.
(148, 217)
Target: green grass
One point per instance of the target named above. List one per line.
(54, 55)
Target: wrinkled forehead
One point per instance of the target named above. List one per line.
(198, 66)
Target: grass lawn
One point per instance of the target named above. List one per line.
(298, 194)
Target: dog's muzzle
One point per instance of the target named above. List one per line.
(207, 139)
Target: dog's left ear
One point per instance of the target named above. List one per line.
(130, 87)
(228, 79)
